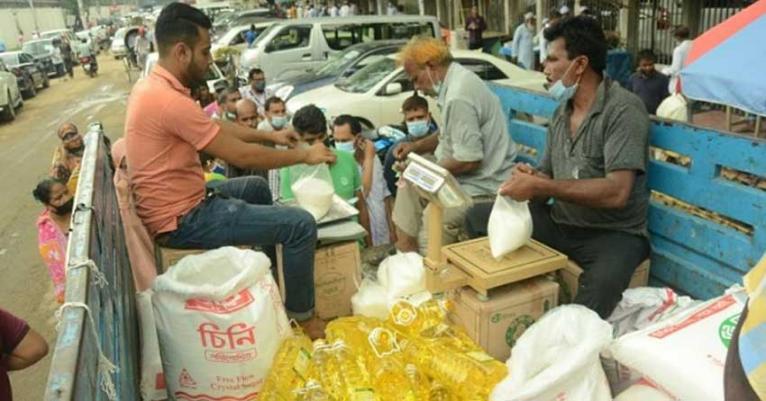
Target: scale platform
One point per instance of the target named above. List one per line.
(482, 272)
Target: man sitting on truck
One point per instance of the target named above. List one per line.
(594, 169)
(164, 131)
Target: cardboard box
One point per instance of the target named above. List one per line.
(484, 272)
(337, 272)
(497, 323)
(570, 276)
(167, 257)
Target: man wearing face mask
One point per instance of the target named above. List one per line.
(276, 115)
(347, 136)
(226, 105)
(473, 143)
(594, 169)
(256, 91)
(165, 130)
(276, 120)
(67, 157)
(422, 138)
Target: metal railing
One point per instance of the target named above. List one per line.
(98, 325)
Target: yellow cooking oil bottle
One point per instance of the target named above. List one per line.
(289, 369)
(354, 382)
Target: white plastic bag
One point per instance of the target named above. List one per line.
(684, 355)
(402, 275)
(313, 188)
(370, 300)
(152, 379)
(557, 358)
(220, 321)
(509, 227)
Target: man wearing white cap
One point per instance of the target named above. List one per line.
(523, 51)
(564, 10)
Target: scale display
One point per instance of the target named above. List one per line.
(434, 183)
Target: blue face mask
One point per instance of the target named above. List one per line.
(218, 168)
(563, 93)
(418, 128)
(278, 121)
(345, 146)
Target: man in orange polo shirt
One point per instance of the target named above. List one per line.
(164, 131)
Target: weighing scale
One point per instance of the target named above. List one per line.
(471, 262)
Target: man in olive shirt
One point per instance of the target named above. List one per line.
(594, 169)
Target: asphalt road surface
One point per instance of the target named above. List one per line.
(26, 149)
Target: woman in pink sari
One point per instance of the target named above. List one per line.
(53, 229)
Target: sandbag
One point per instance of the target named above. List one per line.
(509, 226)
(152, 379)
(557, 358)
(639, 308)
(220, 321)
(313, 188)
(643, 306)
(370, 300)
(685, 354)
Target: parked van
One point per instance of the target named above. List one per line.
(292, 47)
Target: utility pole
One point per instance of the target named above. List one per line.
(34, 15)
(631, 34)
(80, 13)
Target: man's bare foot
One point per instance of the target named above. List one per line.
(314, 327)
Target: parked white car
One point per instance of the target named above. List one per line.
(235, 37)
(10, 95)
(292, 47)
(377, 91)
(118, 48)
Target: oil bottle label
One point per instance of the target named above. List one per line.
(363, 394)
(480, 356)
(302, 361)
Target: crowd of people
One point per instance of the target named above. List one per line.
(652, 86)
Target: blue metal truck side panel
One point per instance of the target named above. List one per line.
(696, 255)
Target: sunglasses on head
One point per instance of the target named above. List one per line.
(69, 135)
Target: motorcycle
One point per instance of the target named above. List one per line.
(89, 65)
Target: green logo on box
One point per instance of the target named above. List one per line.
(516, 328)
(726, 329)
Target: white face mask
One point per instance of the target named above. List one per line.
(278, 122)
(345, 146)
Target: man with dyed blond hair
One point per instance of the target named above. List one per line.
(473, 143)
